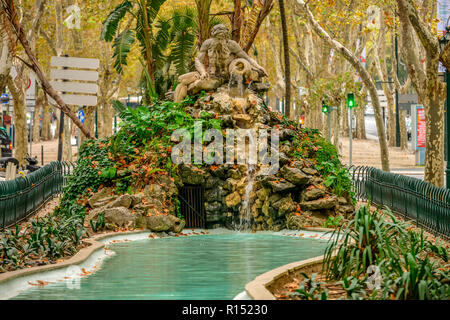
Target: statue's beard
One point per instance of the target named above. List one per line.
(221, 50)
(221, 36)
(220, 57)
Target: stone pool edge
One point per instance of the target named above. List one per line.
(258, 288)
(78, 258)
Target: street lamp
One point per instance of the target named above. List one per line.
(443, 41)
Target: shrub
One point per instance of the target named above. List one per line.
(409, 266)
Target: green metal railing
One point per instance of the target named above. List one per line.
(412, 198)
(22, 197)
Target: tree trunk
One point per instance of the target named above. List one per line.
(46, 130)
(67, 145)
(403, 132)
(20, 118)
(108, 115)
(381, 68)
(336, 128)
(445, 56)
(5, 55)
(279, 86)
(89, 113)
(37, 118)
(318, 115)
(237, 20)
(434, 115)
(360, 123)
(287, 64)
(37, 123)
(428, 87)
(345, 125)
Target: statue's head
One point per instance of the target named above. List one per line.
(220, 31)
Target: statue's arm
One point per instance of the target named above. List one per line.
(200, 58)
(237, 50)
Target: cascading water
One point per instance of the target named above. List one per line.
(245, 216)
(236, 89)
(236, 84)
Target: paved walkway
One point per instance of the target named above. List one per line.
(50, 151)
(367, 153)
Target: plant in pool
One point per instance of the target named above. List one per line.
(310, 289)
(408, 266)
(44, 239)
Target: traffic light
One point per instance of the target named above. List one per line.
(325, 108)
(350, 100)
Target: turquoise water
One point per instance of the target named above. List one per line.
(196, 267)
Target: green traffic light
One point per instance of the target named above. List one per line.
(324, 107)
(351, 100)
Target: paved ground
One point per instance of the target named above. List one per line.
(50, 151)
(367, 153)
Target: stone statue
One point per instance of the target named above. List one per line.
(223, 54)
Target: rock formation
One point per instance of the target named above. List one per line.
(236, 195)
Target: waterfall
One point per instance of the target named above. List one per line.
(236, 84)
(245, 214)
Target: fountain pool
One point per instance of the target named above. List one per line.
(213, 267)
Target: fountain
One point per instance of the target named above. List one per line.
(248, 195)
(245, 216)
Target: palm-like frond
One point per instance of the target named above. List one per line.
(251, 21)
(118, 106)
(122, 45)
(184, 30)
(154, 7)
(111, 23)
(161, 43)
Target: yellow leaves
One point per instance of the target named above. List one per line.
(39, 283)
